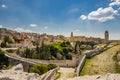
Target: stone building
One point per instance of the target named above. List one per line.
(2, 33)
(77, 38)
(73, 38)
(106, 40)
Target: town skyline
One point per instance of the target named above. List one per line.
(62, 17)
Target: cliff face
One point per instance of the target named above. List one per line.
(16, 73)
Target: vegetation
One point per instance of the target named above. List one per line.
(3, 44)
(6, 67)
(10, 50)
(117, 65)
(16, 39)
(99, 64)
(82, 45)
(57, 50)
(83, 70)
(42, 68)
(58, 75)
(51, 66)
(3, 60)
(5, 41)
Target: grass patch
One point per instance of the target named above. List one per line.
(6, 67)
(84, 67)
(117, 66)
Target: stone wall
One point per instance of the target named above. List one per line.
(50, 75)
(87, 54)
(61, 63)
(91, 53)
(80, 65)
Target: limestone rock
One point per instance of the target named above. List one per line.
(18, 67)
(16, 73)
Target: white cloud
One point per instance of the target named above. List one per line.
(115, 3)
(33, 25)
(45, 27)
(21, 30)
(1, 26)
(83, 17)
(102, 14)
(3, 6)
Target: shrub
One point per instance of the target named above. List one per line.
(117, 66)
(10, 50)
(3, 44)
(42, 68)
(51, 66)
(39, 68)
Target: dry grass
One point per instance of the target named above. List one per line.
(102, 63)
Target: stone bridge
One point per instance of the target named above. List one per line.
(27, 63)
(14, 61)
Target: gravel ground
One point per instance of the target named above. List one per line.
(66, 73)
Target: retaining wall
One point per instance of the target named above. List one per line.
(80, 65)
(50, 75)
(87, 55)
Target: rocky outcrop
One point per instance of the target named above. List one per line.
(18, 67)
(98, 77)
(16, 73)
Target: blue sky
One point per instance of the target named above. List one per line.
(83, 17)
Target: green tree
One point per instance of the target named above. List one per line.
(16, 39)
(7, 39)
(3, 60)
(77, 47)
(27, 52)
(3, 44)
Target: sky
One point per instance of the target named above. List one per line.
(61, 17)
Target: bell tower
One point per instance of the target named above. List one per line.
(71, 37)
(71, 34)
(106, 36)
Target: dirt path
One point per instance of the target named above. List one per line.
(66, 73)
(102, 63)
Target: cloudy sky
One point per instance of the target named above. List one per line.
(83, 17)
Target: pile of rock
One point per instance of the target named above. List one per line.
(16, 73)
